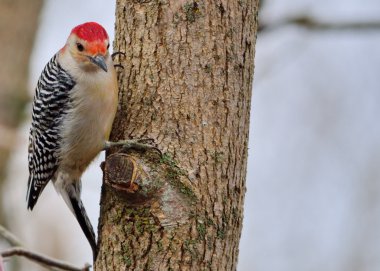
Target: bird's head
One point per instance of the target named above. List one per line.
(88, 44)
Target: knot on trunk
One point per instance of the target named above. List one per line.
(149, 181)
(129, 175)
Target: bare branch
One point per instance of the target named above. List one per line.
(36, 257)
(42, 259)
(9, 237)
(312, 23)
(1, 264)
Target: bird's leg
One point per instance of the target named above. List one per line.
(137, 144)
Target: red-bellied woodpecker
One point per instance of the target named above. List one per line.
(73, 109)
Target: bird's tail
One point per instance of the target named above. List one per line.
(84, 222)
(71, 194)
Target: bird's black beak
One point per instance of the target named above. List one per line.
(99, 61)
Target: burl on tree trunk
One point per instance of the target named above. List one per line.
(186, 84)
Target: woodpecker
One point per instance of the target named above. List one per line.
(74, 106)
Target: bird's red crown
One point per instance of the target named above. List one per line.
(90, 31)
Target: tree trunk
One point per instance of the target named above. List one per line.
(18, 25)
(186, 84)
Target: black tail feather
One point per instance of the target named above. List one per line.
(85, 224)
(33, 193)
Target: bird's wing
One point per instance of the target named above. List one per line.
(50, 105)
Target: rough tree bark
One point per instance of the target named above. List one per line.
(18, 25)
(186, 84)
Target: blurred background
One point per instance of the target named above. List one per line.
(313, 180)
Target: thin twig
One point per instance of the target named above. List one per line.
(9, 237)
(42, 259)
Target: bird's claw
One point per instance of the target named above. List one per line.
(145, 140)
(117, 53)
(118, 66)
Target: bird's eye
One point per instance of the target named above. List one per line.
(108, 46)
(80, 47)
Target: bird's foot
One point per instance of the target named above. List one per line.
(137, 144)
(113, 57)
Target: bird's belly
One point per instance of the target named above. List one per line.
(88, 128)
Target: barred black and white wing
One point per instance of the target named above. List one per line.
(50, 105)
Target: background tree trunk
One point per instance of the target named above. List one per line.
(186, 83)
(18, 25)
